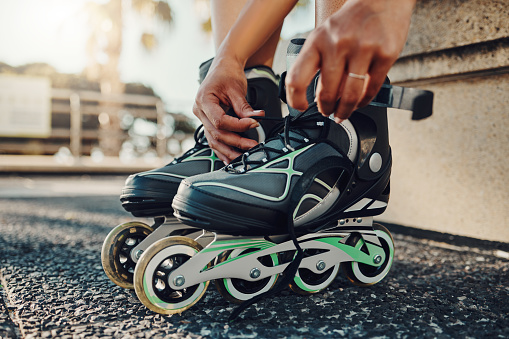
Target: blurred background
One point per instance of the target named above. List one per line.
(107, 86)
(105, 79)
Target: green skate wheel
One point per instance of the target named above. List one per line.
(365, 275)
(152, 272)
(307, 282)
(239, 290)
(116, 252)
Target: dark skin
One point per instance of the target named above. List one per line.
(362, 37)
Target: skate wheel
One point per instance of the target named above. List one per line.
(307, 282)
(152, 272)
(365, 275)
(116, 251)
(239, 290)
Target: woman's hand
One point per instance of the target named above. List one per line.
(225, 87)
(354, 50)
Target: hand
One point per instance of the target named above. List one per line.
(363, 38)
(225, 87)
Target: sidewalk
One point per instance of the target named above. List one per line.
(53, 286)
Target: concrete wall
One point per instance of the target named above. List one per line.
(451, 171)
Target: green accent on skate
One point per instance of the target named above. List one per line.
(152, 298)
(193, 157)
(355, 252)
(290, 157)
(288, 171)
(196, 156)
(275, 261)
(226, 245)
(300, 283)
(163, 304)
(391, 247)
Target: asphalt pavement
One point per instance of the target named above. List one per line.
(52, 284)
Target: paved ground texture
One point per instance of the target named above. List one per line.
(52, 285)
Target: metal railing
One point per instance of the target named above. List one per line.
(75, 122)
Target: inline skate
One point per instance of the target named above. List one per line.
(289, 211)
(150, 193)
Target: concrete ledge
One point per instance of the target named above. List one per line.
(481, 59)
(443, 24)
(51, 164)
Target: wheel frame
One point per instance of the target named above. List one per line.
(353, 270)
(110, 261)
(152, 258)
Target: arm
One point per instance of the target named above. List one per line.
(364, 38)
(225, 85)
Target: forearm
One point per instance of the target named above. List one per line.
(256, 23)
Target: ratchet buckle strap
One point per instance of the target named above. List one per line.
(419, 101)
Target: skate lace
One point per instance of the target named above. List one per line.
(298, 125)
(200, 143)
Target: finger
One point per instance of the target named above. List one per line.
(223, 151)
(227, 138)
(222, 157)
(354, 86)
(242, 108)
(377, 74)
(350, 97)
(221, 121)
(255, 114)
(245, 112)
(300, 75)
(327, 93)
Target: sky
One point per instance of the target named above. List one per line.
(55, 32)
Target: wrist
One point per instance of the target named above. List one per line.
(229, 57)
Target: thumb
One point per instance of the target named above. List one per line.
(243, 109)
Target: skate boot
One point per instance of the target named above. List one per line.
(299, 204)
(150, 193)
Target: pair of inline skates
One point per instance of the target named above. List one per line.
(290, 211)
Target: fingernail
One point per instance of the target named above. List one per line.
(258, 111)
(254, 124)
(225, 163)
(338, 120)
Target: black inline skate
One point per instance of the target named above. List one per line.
(150, 193)
(299, 204)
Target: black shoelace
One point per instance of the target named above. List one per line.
(200, 142)
(298, 125)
